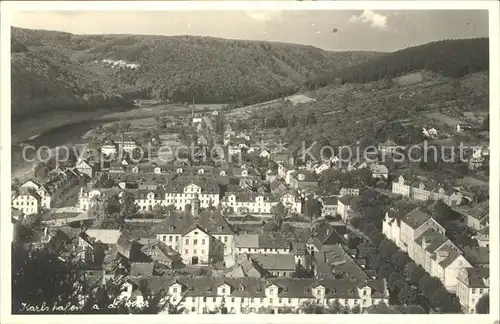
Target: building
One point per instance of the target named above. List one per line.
(177, 195)
(27, 201)
(473, 283)
(476, 215)
(349, 191)
(260, 203)
(200, 238)
(483, 237)
(85, 168)
(388, 147)
(423, 189)
(265, 243)
(379, 171)
(301, 179)
(330, 205)
(344, 205)
(424, 239)
(201, 295)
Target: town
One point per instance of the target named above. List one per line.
(258, 230)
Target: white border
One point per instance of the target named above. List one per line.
(6, 235)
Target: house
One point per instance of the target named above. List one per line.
(379, 171)
(246, 267)
(483, 237)
(349, 191)
(278, 265)
(202, 140)
(388, 147)
(265, 243)
(201, 295)
(109, 147)
(463, 127)
(265, 154)
(243, 135)
(413, 225)
(27, 201)
(423, 189)
(344, 205)
(478, 256)
(473, 283)
(302, 179)
(330, 205)
(476, 215)
(199, 238)
(85, 168)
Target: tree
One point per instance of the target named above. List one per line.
(40, 274)
(428, 285)
(128, 207)
(40, 172)
(407, 295)
(483, 304)
(279, 213)
(312, 208)
(15, 183)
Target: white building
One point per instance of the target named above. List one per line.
(200, 238)
(201, 295)
(473, 283)
(27, 201)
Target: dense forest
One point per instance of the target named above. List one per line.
(449, 58)
(53, 70)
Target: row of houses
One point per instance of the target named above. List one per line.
(202, 295)
(180, 196)
(425, 241)
(423, 189)
(31, 197)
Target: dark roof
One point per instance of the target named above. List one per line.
(141, 268)
(433, 239)
(255, 287)
(212, 222)
(415, 218)
(476, 277)
(275, 262)
(477, 255)
(347, 199)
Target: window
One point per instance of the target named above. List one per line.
(271, 291)
(203, 241)
(225, 239)
(185, 251)
(177, 239)
(195, 241)
(473, 290)
(193, 309)
(251, 300)
(194, 299)
(194, 251)
(202, 251)
(214, 299)
(289, 300)
(187, 241)
(365, 292)
(170, 238)
(223, 290)
(175, 290)
(270, 300)
(280, 301)
(232, 300)
(204, 299)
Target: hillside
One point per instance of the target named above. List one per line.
(52, 70)
(449, 58)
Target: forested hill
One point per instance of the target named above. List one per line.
(450, 58)
(53, 70)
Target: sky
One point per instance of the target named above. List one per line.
(335, 30)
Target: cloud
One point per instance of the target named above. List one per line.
(376, 20)
(263, 15)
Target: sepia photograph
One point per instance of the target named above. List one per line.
(294, 159)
